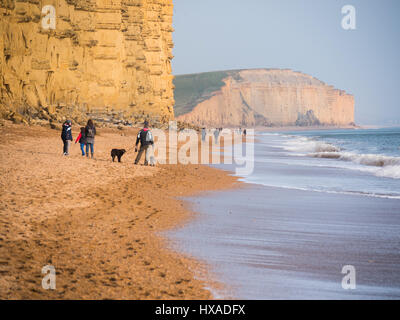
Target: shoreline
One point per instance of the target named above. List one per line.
(276, 242)
(68, 211)
(275, 253)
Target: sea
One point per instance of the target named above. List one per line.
(318, 204)
(351, 161)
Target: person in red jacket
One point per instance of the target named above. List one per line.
(82, 140)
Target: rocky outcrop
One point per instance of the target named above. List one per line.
(104, 57)
(265, 97)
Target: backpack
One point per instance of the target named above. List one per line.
(90, 132)
(149, 136)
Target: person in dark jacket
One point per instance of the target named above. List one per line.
(145, 137)
(82, 140)
(216, 134)
(90, 132)
(66, 136)
(203, 134)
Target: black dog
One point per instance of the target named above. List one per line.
(117, 153)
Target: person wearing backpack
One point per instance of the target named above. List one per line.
(90, 132)
(82, 140)
(66, 136)
(146, 141)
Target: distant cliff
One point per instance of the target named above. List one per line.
(265, 97)
(109, 57)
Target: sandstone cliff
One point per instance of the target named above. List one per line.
(263, 97)
(104, 57)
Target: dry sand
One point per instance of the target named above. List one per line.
(95, 221)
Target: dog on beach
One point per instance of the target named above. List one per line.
(117, 153)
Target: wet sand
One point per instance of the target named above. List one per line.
(97, 222)
(276, 243)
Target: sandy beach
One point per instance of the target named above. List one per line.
(97, 222)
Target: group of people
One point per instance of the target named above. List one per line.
(205, 131)
(85, 138)
(217, 132)
(145, 137)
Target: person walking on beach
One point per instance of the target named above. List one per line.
(82, 140)
(216, 134)
(203, 134)
(66, 136)
(146, 142)
(90, 132)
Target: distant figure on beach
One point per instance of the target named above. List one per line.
(244, 132)
(82, 140)
(90, 132)
(146, 143)
(66, 136)
(216, 135)
(203, 134)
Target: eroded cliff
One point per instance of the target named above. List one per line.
(263, 97)
(104, 57)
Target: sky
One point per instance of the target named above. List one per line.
(302, 35)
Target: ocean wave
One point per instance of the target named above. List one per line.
(306, 145)
(269, 134)
(375, 160)
(384, 166)
(389, 172)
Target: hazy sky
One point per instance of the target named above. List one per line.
(303, 35)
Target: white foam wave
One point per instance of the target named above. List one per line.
(269, 134)
(389, 172)
(386, 166)
(375, 160)
(305, 145)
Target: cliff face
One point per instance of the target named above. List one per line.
(104, 56)
(270, 97)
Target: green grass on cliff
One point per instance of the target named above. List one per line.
(191, 89)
